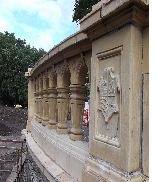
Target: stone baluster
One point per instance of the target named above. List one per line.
(63, 80)
(38, 101)
(69, 108)
(52, 99)
(40, 98)
(45, 101)
(77, 106)
(35, 98)
(78, 71)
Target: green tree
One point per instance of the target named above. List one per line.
(15, 58)
(82, 7)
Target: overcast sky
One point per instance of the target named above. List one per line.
(43, 23)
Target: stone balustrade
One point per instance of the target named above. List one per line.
(57, 90)
(112, 49)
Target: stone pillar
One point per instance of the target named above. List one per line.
(45, 101)
(52, 94)
(31, 103)
(78, 71)
(63, 97)
(116, 128)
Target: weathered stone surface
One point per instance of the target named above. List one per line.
(68, 154)
(114, 53)
(145, 137)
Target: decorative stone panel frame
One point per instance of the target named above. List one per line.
(123, 149)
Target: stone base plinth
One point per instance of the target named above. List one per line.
(50, 169)
(69, 155)
(62, 130)
(76, 137)
(52, 126)
(97, 170)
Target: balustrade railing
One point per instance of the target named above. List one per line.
(59, 92)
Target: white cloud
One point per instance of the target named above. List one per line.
(4, 25)
(44, 40)
(56, 14)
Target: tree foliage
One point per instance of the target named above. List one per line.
(82, 7)
(15, 58)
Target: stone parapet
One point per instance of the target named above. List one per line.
(112, 52)
(69, 155)
(50, 169)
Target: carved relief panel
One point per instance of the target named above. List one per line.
(107, 126)
(115, 100)
(107, 87)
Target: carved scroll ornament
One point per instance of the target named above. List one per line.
(108, 88)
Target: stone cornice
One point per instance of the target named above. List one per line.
(113, 14)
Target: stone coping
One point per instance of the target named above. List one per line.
(71, 40)
(103, 9)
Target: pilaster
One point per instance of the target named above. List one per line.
(31, 103)
(115, 29)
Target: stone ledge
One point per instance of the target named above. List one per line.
(51, 170)
(69, 155)
(111, 15)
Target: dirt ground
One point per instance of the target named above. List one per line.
(12, 121)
